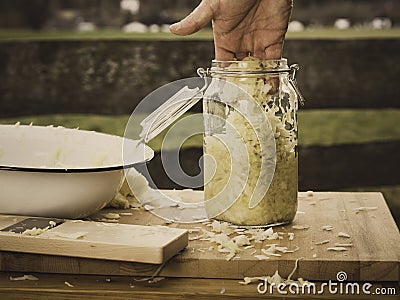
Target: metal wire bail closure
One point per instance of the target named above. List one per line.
(292, 73)
(203, 72)
(292, 79)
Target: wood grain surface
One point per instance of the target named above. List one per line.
(126, 242)
(374, 255)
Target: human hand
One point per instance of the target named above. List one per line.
(241, 27)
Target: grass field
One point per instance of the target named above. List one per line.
(205, 34)
(316, 127)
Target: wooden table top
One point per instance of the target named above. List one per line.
(373, 258)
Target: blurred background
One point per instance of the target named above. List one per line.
(151, 15)
(87, 63)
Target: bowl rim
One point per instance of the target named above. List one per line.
(74, 170)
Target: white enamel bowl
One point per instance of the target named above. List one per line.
(64, 173)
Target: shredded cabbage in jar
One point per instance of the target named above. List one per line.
(279, 102)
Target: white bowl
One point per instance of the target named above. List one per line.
(59, 172)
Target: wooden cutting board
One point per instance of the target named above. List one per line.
(134, 243)
(365, 217)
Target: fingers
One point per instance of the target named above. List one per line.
(226, 46)
(270, 48)
(223, 54)
(197, 19)
(273, 52)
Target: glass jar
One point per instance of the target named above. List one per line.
(250, 142)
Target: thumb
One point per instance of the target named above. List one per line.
(197, 19)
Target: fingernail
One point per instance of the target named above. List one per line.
(175, 26)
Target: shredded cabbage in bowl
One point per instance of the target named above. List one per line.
(279, 102)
